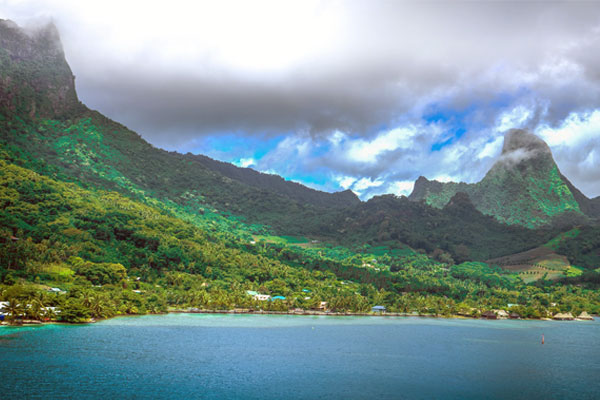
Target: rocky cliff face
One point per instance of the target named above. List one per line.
(523, 187)
(35, 79)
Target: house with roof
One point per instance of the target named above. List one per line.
(3, 310)
(563, 317)
(378, 309)
(258, 296)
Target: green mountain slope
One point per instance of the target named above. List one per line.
(458, 228)
(42, 116)
(523, 187)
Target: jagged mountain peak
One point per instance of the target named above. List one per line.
(523, 187)
(520, 139)
(522, 146)
(26, 89)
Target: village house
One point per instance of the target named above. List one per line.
(2, 310)
(584, 316)
(563, 317)
(322, 306)
(495, 314)
(489, 315)
(258, 296)
(378, 309)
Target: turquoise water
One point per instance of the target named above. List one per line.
(299, 357)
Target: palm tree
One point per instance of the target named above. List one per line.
(36, 310)
(14, 310)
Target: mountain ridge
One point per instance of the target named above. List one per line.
(524, 186)
(38, 83)
(292, 189)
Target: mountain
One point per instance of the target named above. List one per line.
(458, 228)
(523, 187)
(277, 184)
(37, 85)
(35, 79)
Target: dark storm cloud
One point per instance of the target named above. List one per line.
(391, 58)
(187, 106)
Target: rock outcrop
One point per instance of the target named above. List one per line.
(35, 79)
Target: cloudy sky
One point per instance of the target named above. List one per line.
(365, 95)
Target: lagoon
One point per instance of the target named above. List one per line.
(212, 356)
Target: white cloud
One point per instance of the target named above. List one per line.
(514, 118)
(245, 162)
(445, 178)
(575, 128)
(365, 183)
(368, 150)
(345, 182)
(401, 187)
(336, 138)
(491, 149)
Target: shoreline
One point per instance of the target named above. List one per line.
(363, 314)
(32, 323)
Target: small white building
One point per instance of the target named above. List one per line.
(51, 310)
(258, 296)
(501, 314)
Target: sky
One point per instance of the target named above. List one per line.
(360, 95)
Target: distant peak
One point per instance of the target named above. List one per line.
(519, 139)
(348, 194)
(37, 79)
(8, 23)
(521, 146)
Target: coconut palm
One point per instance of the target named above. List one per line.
(37, 306)
(14, 310)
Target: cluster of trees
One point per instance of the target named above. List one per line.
(583, 249)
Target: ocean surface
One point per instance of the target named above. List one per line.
(204, 356)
